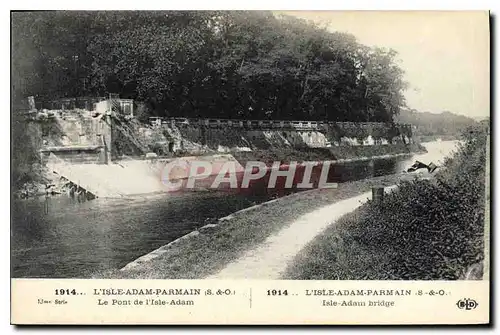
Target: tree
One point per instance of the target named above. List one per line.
(233, 64)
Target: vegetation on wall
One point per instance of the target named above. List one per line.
(25, 159)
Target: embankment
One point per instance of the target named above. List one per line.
(340, 153)
(285, 141)
(85, 137)
(204, 135)
(426, 230)
(432, 138)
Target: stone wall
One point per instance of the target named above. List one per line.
(87, 134)
(199, 135)
(77, 136)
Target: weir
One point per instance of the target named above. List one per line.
(114, 180)
(84, 177)
(128, 177)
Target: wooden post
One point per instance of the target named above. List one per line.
(31, 103)
(377, 194)
(107, 134)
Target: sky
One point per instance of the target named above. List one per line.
(445, 55)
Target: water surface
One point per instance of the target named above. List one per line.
(58, 237)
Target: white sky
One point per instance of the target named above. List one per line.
(445, 54)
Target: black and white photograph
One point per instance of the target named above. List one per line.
(277, 145)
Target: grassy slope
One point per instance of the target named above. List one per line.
(426, 230)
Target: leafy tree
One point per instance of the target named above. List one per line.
(234, 64)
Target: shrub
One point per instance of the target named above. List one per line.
(425, 230)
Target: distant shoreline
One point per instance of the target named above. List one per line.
(431, 138)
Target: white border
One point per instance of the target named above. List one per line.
(261, 4)
(213, 4)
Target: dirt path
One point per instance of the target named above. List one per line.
(270, 259)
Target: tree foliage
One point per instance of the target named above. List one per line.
(445, 124)
(233, 64)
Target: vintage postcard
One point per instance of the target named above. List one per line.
(250, 167)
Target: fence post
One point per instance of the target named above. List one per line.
(377, 194)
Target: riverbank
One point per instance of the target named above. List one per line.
(33, 182)
(425, 230)
(334, 153)
(432, 138)
(40, 176)
(209, 249)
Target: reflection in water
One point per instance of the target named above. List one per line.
(62, 237)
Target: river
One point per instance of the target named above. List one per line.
(61, 238)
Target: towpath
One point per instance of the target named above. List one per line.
(270, 259)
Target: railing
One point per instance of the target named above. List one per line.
(261, 124)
